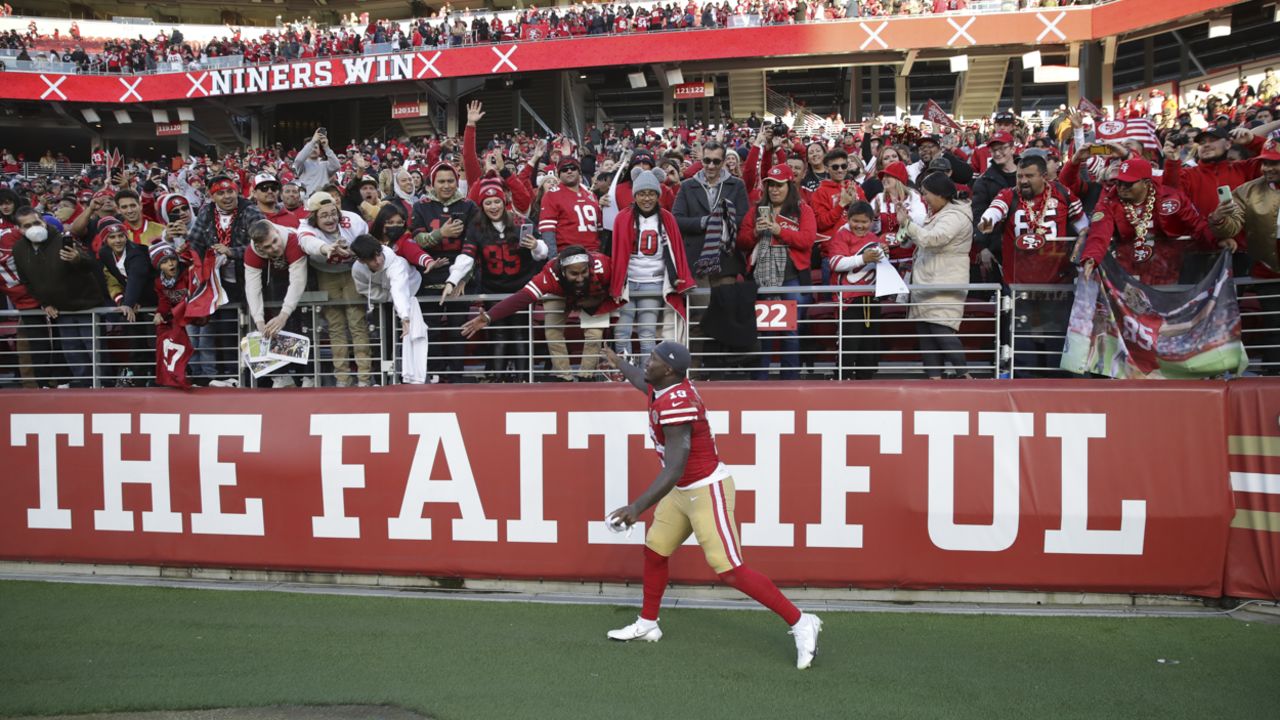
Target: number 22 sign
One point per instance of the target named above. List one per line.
(775, 315)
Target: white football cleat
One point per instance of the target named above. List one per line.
(806, 632)
(641, 629)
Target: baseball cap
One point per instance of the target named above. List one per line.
(367, 180)
(1005, 116)
(1270, 151)
(264, 179)
(1000, 137)
(318, 199)
(1133, 170)
(673, 355)
(780, 174)
(930, 138)
(1220, 133)
(941, 164)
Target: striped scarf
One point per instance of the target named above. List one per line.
(721, 232)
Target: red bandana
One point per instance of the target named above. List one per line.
(223, 184)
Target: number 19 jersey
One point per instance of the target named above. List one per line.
(677, 405)
(573, 215)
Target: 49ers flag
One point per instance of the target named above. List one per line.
(934, 113)
(1122, 328)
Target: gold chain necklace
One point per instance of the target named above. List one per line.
(1140, 217)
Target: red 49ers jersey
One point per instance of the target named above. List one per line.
(1030, 254)
(678, 405)
(573, 215)
(292, 253)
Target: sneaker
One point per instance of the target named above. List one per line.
(282, 381)
(641, 629)
(806, 632)
(308, 382)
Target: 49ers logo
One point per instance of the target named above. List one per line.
(1143, 250)
(1111, 129)
(1170, 206)
(1030, 241)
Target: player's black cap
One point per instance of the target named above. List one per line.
(675, 355)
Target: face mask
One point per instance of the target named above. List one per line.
(394, 232)
(37, 233)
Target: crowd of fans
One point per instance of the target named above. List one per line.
(729, 209)
(448, 28)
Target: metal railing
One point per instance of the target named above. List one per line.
(1038, 317)
(1004, 331)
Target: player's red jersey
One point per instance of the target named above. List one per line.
(573, 215)
(1029, 252)
(677, 405)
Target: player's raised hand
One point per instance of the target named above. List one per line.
(475, 325)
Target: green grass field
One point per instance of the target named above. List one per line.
(80, 648)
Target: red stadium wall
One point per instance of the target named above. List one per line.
(1047, 26)
(1253, 549)
(1107, 486)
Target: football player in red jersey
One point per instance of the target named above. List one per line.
(695, 495)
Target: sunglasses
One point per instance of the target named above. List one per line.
(1125, 185)
(838, 167)
(712, 161)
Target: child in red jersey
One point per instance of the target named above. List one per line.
(852, 254)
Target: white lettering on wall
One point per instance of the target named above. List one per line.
(336, 476)
(440, 430)
(764, 477)
(220, 82)
(358, 69)
(1075, 537)
(116, 472)
(47, 428)
(531, 526)
(838, 477)
(617, 428)
(302, 75)
(215, 475)
(324, 73)
(402, 66)
(1006, 429)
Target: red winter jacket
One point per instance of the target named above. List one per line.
(798, 235)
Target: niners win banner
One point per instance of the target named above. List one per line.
(1036, 485)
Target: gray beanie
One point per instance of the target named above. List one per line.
(642, 179)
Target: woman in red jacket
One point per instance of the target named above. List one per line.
(779, 233)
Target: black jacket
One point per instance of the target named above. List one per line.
(137, 279)
(730, 318)
(67, 286)
(985, 189)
